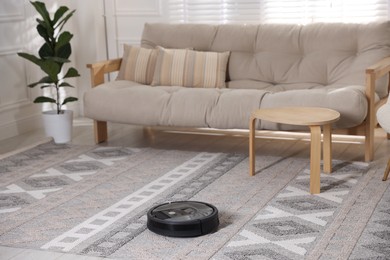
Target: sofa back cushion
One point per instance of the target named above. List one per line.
(138, 64)
(323, 54)
(188, 68)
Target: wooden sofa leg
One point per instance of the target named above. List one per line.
(386, 174)
(369, 135)
(100, 129)
(149, 134)
(369, 146)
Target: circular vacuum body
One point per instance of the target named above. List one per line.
(183, 219)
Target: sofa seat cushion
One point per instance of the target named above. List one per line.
(311, 94)
(171, 106)
(334, 98)
(254, 84)
(132, 103)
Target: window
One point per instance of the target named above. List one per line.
(277, 11)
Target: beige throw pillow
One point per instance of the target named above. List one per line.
(138, 64)
(188, 68)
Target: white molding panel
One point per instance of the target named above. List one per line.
(21, 92)
(17, 113)
(131, 41)
(138, 8)
(21, 125)
(125, 20)
(12, 11)
(16, 17)
(10, 50)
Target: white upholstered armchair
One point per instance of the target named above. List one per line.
(383, 116)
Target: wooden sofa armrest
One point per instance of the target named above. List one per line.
(374, 72)
(380, 68)
(98, 70)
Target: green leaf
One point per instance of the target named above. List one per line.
(59, 13)
(44, 80)
(43, 32)
(58, 59)
(41, 9)
(31, 58)
(52, 69)
(48, 27)
(63, 40)
(65, 84)
(45, 51)
(63, 48)
(43, 99)
(65, 51)
(72, 72)
(54, 52)
(69, 99)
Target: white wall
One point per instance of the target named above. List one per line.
(124, 20)
(18, 114)
(89, 43)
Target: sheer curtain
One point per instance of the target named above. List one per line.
(277, 11)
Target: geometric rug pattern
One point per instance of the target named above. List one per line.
(374, 242)
(22, 192)
(290, 224)
(93, 200)
(134, 226)
(110, 215)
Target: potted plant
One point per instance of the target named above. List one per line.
(53, 54)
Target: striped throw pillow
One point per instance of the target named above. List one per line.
(138, 64)
(188, 68)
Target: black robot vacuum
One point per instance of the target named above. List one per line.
(183, 219)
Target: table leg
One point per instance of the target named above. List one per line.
(327, 149)
(252, 146)
(315, 158)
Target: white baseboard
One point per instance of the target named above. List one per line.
(20, 126)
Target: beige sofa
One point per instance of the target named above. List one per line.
(338, 66)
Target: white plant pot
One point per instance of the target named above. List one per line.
(58, 126)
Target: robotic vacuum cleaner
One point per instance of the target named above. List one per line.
(183, 219)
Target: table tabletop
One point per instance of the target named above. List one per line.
(298, 115)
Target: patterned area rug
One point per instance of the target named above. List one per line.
(93, 200)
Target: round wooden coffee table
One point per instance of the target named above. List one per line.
(314, 118)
